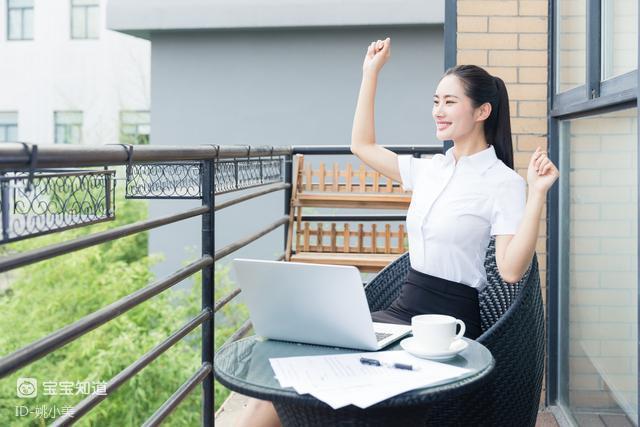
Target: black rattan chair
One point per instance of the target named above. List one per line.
(513, 330)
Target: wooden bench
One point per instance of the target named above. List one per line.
(370, 246)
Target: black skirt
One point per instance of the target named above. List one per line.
(425, 294)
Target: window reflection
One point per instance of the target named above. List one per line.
(599, 221)
(571, 44)
(619, 37)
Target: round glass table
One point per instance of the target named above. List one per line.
(243, 366)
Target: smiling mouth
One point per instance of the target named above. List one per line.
(443, 125)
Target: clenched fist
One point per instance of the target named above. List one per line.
(377, 55)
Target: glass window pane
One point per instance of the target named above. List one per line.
(68, 117)
(75, 136)
(85, 2)
(128, 129)
(15, 24)
(60, 137)
(93, 22)
(8, 118)
(599, 216)
(12, 133)
(619, 37)
(27, 24)
(20, 3)
(134, 127)
(135, 117)
(78, 29)
(571, 44)
(3, 134)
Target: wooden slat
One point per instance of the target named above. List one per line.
(306, 237)
(374, 239)
(347, 238)
(370, 200)
(300, 176)
(333, 237)
(319, 236)
(329, 192)
(364, 262)
(321, 176)
(362, 172)
(387, 238)
(309, 178)
(298, 227)
(317, 233)
(297, 162)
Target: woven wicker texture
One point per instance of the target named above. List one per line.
(513, 330)
(507, 395)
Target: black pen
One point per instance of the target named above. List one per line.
(375, 362)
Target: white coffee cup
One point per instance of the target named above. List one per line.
(436, 332)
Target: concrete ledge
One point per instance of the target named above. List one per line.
(141, 17)
(229, 412)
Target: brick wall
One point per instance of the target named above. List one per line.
(509, 39)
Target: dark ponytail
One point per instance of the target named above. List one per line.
(482, 87)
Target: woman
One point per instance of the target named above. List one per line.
(459, 200)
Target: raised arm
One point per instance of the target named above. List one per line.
(514, 252)
(363, 136)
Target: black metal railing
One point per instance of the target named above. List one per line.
(40, 194)
(194, 172)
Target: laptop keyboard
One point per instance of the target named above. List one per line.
(382, 335)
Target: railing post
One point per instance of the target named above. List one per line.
(208, 221)
(288, 178)
(4, 187)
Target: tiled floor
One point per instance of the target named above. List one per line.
(546, 419)
(603, 420)
(228, 414)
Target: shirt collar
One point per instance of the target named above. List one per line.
(480, 161)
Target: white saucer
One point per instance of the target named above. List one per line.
(411, 347)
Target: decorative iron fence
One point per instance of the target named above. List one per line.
(37, 201)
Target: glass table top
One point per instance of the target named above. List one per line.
(245, 363)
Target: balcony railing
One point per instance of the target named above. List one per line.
(45, 189)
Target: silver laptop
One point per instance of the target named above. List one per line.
(311, 303)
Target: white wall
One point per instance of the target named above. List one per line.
(142, 17)
(54, 72)
(279, 87)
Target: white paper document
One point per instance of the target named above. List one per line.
(341, 379)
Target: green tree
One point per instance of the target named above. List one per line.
(48, 295)
(227, 320)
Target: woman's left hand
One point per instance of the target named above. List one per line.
(542, 173)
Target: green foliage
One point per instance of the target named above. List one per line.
(227, 320)
(38, 299)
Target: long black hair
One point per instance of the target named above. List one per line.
(482, 87)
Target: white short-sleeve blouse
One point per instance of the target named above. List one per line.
(455, 208)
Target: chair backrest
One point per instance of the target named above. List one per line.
(496, 298)
(512, 320)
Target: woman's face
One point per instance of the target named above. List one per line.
(453, 112)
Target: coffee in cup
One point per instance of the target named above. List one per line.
(436, 332)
